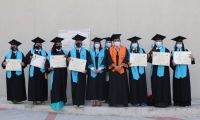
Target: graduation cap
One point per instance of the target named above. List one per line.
(38, 40)
(115, 36)
(79, 37)
(108, 39)
(57, 40)
(15, 42)
(134, 39)
(96, 39)
(158, 37)
(179, 38)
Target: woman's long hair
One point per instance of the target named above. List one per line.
(131, 48)
(99, 47)
(176, 48)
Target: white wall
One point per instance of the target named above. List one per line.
(26, 19)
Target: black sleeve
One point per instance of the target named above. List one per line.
(109, 59)
(24, 60)
(150, 56)
(143, 51)
(88, 61)
(3, 62)
(69, 54)
(171, 62)
(126, 57)
(47, 65)
(28, 60)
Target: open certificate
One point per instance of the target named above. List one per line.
(13, 65)
(38, 61)
(161, 58)
(182, 57)
(58, 61)
(137, 59)
(76, 64)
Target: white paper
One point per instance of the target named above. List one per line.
(68, 43)
(77, 65)
(182, 57)
(58, 61)
(13, 65)
(161, 58)
(38, 61)
(137, 59)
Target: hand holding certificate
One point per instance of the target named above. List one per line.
(137, 59)
(161, 58)
(58, 61)
(182, 57)
(38, 61)
(13, 65)
(77, 65)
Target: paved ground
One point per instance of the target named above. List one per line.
(27, 111)
(6, 114)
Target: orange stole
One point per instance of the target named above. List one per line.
(121, 53)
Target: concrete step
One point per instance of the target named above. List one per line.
(105, 110)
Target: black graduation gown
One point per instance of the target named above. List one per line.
(161, 90)
(96, 86)
(107, 75)
(78, 89)
(59, 85)
(16, 87)
(138, 88)
(181, 88)
(37, 85)
(118, 85)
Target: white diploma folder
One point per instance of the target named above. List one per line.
(58, 61)
(182, 57)
(137, 59)
(38, 61)
(161, 58)
(76, 64)
(13, 65)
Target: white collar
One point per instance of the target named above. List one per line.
(14, 52)
(58, 50)
(37, 50)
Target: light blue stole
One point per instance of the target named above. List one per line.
(19, 56)
(60, 104)
(134, 69)
(82, 56)
(100, 56)
(31, 70)
(161, 68)
(180, 70)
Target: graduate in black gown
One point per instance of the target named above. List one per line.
(15, 80)
(118, 80)
(96, 74)
(181, 76)
(37, 85)
(108, 44)
(160, 76)
(78, 79)
(137, 76)
(58, 76)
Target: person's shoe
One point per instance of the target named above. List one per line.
(99, 103)
(93, 103)
(14, 102)
(81, 106)
(34, 103)
(75, 106)
(143, 104)
(136, 105)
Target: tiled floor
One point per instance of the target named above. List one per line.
(6, 114)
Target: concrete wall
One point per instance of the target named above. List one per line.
(26, 19)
